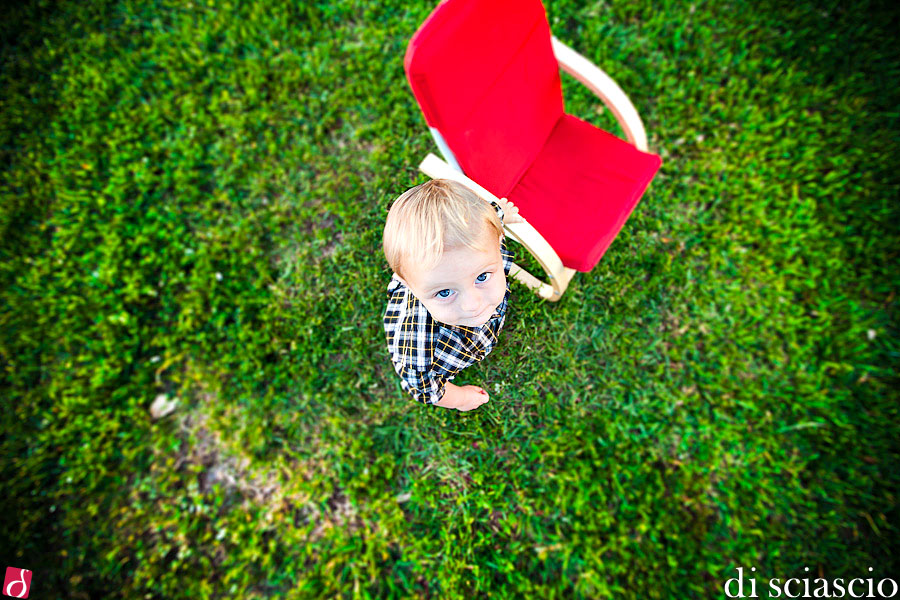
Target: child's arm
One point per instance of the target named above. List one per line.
(423, 386)
(410, 345)
(465, 398)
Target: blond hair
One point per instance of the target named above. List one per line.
(434, 216)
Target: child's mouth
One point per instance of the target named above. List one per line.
(480, 316)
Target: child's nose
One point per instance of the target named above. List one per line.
(470, 302)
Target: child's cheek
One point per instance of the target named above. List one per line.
(500, 291)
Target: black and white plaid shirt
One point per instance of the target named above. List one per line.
(427, 353)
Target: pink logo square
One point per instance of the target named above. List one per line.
(17, 582)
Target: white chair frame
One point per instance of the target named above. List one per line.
(612, 96)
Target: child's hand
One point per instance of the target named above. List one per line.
(473, 397)
(510, 212)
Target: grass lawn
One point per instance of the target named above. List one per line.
(192, 197)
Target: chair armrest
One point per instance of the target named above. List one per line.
(522, 232)
(603, 86)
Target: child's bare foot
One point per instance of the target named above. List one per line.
(474, 397)
(464, 398)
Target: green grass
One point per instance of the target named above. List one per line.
(193, 195)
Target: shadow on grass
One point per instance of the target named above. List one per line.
(851, 48)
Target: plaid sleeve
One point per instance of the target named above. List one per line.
(498, 210)
(507, 256)
(505, 253)
(427, 387)
(410, 332)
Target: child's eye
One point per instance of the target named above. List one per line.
(441, 294)
(486, 276)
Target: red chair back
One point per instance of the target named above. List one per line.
(484, 75)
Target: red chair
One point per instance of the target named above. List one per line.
(486, 76)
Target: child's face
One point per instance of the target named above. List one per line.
(465, 287)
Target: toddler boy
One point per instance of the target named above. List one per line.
(448, 296)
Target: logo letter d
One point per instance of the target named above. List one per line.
(740, 582)
(25, 574)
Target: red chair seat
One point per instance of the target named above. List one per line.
(581, 188)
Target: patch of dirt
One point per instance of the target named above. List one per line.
(286, 496)
(203, 446)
